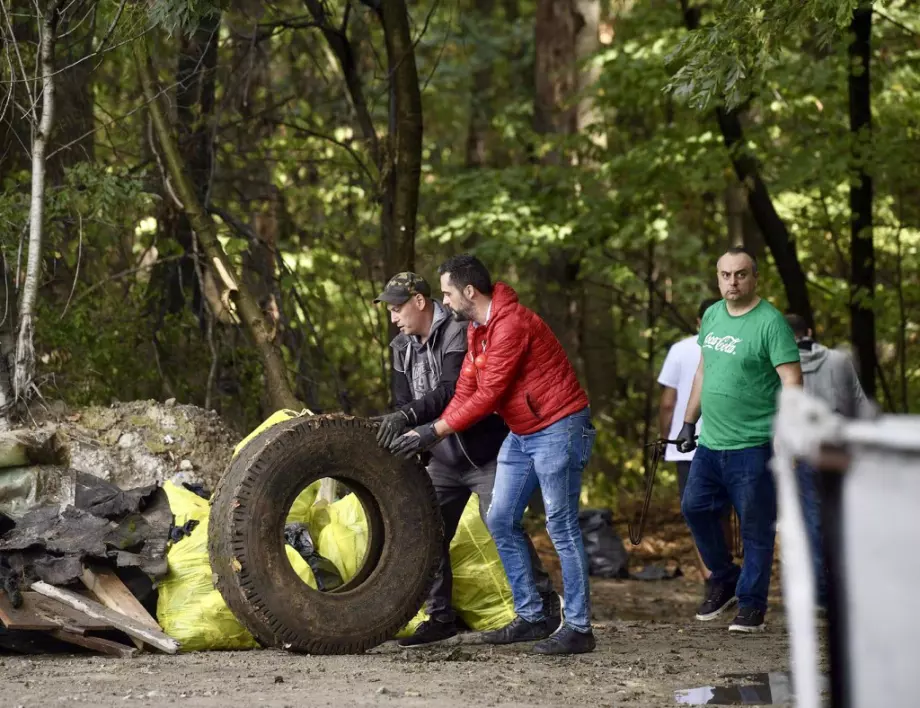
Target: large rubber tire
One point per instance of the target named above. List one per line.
(246, 537)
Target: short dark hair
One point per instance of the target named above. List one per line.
(467, 270)
(739, 250)
(705, 305)
(798, 324)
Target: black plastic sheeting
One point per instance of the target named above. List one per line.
(298, 536)
(127, 528)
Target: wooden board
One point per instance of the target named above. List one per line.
(107, 587)
(114, 594)
(153, 637)
(44, 613)
(104, 646)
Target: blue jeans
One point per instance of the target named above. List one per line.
(553, 459)
(740, 478)
(806, 476)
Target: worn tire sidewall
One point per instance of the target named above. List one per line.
(405, 537)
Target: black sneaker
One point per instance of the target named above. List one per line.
(749, 620)
(719, 597)
(520, 630)
(552, 610)
(567, 641)
(429, 632)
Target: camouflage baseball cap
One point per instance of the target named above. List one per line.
(403, 286)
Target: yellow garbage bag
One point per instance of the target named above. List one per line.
(275, 418)
(343, 539)
(481, 594)
(189, 608)
(302, 508)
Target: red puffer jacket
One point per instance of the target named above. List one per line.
(516, 367)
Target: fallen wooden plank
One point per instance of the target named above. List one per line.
(153, 637)
(105, 646)
(43, 613)
(63, 614)
(114, 594)
(22, 617)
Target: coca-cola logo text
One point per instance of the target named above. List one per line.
(724, 344)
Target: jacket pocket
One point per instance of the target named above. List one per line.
(531, 407)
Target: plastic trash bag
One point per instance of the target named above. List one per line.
(275, 418)
(302, 508)
(298, 537)
(481, 594)
(189, 608)
(343, 540)
(607, 557)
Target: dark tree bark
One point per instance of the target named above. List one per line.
(480, 98)
(558, 29)
(340, 45)
(862, 249)
(399, 159)
(404, 149)
(774, 230)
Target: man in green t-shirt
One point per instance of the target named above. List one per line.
(748, 354)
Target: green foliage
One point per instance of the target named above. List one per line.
(181, 15)
(740, 40)
(638, 205)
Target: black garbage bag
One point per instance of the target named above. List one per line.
(657, 572)
(606, 553)
(327, 576)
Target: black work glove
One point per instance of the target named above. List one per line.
(391, 427)
(686, 439)
(415, 441)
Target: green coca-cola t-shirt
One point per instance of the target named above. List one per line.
(740, 383)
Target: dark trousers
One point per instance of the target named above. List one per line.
(740, 478)
(453, 487)
(810, 498)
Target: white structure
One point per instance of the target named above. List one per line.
(875, 649)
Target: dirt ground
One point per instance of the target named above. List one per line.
(649, 646)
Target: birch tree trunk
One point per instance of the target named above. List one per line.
(25, 350)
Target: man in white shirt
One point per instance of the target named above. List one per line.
(676, 379)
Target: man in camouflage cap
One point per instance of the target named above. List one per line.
(428, 354)
(402, 287)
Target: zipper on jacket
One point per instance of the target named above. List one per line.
(465, 454)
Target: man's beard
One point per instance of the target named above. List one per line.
(465, 313)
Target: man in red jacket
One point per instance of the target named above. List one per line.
(516, 367)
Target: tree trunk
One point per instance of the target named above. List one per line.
(344, 52)
(587, 41)
(278, 388)
(25, 351)
(480, 96)
(560, 31)
(195, 91)
(862, 249)
(404, 169)
(768, 221)
(742, 229)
